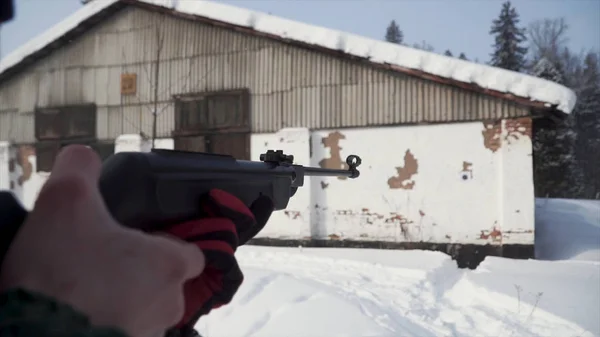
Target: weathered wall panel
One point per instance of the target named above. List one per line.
(419, 191)
(290, 87)
(462, 183)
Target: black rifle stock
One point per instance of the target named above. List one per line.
(151, 190)
(147, 190)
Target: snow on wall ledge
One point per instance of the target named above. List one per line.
(376, 51)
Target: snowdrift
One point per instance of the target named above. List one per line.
(299, 292)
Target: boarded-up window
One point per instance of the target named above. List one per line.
(191, 143)
(60, 126)
(70, 122)
(212, 111)
(46, 151)
(217, 122)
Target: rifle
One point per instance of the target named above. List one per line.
(150, 190)
(164, 186)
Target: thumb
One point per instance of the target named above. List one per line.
(188, 260)
(77, 160)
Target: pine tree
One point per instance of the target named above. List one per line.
(587, 114)
(448, 53)
(556, 170)
(544, 68)
(393, 33)
(423, 46)
(462, 56)
(509, 52)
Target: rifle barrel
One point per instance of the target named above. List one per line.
(322, 172)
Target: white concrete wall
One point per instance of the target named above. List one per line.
(453, 183)
(24, 182)
(4, 165)
(459, 191)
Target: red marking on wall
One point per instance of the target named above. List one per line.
(495, 234)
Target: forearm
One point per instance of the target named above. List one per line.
(25, 313)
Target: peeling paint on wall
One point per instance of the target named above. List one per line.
(365, 216)
(400, 219)
(293, 214)
(405, 173)
(495, 234)
(24, 152)
(492, 131)
(332, 141)
(334, 237)
(467, 170)
(517, 128)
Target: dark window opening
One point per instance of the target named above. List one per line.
(61, 126)
(70, 122)
(212, 111)
(214, 123)
(46, 151)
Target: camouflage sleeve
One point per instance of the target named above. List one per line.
(24, 313)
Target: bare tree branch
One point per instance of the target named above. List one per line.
(547, 38)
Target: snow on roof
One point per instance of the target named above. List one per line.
(501, 80)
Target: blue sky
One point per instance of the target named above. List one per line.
(458, 25)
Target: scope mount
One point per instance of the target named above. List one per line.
(277, 157)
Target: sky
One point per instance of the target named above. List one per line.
(457, 25)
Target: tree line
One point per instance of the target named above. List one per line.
(566, 151)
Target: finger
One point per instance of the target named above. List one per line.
(221, 203)
(262, 208)
(72, 188)
(228, 201)
(77, 160)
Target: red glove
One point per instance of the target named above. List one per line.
(227, 224)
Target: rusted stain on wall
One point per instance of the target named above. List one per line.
(23, 153)
(495, 234)
(492, 131)
(400, 219)
(332, 141)
(517, 128)
(333, 237)
(518, 231)
(365, 215)
(405, 173)
(293, 214)
(467, 170)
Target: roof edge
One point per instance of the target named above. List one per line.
(518, 87)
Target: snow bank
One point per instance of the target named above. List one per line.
(567, 229)
(377, 51)
(360, 292)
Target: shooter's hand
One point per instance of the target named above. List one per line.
(71, 249)
(228, 223)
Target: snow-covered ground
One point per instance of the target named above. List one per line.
(300, 292)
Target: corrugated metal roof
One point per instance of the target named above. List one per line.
(527, 90)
